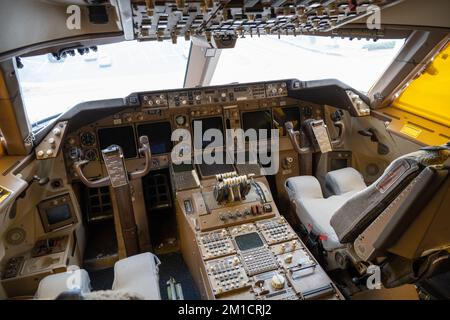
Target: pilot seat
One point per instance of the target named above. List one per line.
(135, 277)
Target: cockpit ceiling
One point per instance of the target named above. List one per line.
(30, 25)
(161, 20)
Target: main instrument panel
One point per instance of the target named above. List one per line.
(158, 114)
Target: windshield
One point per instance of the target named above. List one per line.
(358, 63)
(50, 87)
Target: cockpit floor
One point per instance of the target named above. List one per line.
(172, 265)
(102, 279)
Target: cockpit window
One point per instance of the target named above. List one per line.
(358, 63)
(50, 87)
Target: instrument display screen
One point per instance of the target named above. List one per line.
(121, 136)
(210, 123)
(248, 241)
(286, 114)
(258, 120)
(159, 135)
(58, 214)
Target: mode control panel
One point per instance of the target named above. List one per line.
(210, 96)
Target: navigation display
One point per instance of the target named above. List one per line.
(257, 120)
(286, 114)
(210, 123)
(121, 136)
(159, 135)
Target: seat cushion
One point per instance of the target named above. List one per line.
(315, 214)
(138, 274)
(313, 210)
(344, 180)
(53, 285)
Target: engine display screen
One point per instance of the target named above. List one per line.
(283, 115)
(258, 120)
(248, 241)
(159, 135)
(121, 136)
(210, 123)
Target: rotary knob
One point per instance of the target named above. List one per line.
(288, 258)
(57, 132)
(294, 245)
(278, 281)
(52, 142)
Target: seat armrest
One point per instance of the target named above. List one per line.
(303, 187)
(344, 180)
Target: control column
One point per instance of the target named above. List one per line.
(113, 158)
(118, 181)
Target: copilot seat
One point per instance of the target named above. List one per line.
(362, 223)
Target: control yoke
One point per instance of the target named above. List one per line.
(118, 180)
(315, 135)
(106, 181)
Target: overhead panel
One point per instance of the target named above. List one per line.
(222, 19)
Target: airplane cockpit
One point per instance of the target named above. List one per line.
(208, 150)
